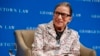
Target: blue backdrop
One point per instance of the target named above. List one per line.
(27, 14)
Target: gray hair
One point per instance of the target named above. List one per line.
(64, 4)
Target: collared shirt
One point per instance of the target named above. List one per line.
(45, 43)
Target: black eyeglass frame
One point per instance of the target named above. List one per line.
(64, 15)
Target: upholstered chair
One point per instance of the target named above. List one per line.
(24, 40)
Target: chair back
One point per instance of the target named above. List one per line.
(24, 40)
(84, 51)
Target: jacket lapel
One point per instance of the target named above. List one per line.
(51, 30)
(65, 34)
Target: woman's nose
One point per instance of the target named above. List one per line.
(59, 16)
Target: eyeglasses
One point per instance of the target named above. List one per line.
(64, 15)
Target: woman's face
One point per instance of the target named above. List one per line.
(61, 16)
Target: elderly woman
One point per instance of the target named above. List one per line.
(55, 38)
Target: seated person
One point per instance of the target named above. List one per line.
(56, 38)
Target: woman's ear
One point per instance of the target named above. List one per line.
(70, 19)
